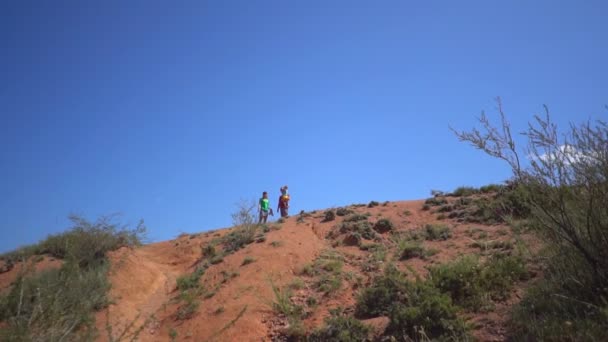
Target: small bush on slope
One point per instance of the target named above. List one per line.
(383, 225)
(340, 328)
(329, 216)
(85, 242)
(437, 232)
(343, 211)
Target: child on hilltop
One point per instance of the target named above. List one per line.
(264, 208)
(283, 202)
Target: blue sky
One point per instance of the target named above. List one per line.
(174, 111)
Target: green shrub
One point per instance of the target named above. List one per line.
(297, 284)
(217, 259)
(54, 303)
(465, 191)
(343, 211)
(460, 279)
(329, 283)
(355, 218)
(492, 245)
(427, 314)
(491, 188)
(469, 282)
(436, 201)
(85, 243)
(563, 191)
(248, 260)
(276, 243)
(410, 306)
(499, 273)
(340, 329)
(547, 313)
(377, 299)
(190, 281)
(282, 303)
(410, 249)
(60, 303)
(260, 238)
(329, 216)
(445, 208)
(363, 228)
(437, 232)
(187, 309)
(327, 269)
(383, 226)
(209, 251)
(373, 204)
(238, 238)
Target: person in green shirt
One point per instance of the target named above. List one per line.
(264, 208)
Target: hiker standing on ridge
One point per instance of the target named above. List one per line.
(283, 202)
(264, 208)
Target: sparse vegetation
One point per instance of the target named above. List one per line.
(437, 232)
(564, 191)
(248, 260)
(283, 305)
(464, 191)
(340, 328)
(244, 231)
(190, 281)
(327, 271)
(436, 201)
(238, 239)
(276, 243)
(373, 204)
(297, 284)
(216, 259)
(60, 303)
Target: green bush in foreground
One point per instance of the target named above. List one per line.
(412, 307)
(60, 303)
(564, 192)
(55, 303)
(554, 309)
(470, 283)
(86, 243)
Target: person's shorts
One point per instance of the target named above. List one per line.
(263, 213)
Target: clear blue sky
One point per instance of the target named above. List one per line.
(172, 111)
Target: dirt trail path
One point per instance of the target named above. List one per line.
(142, 281)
